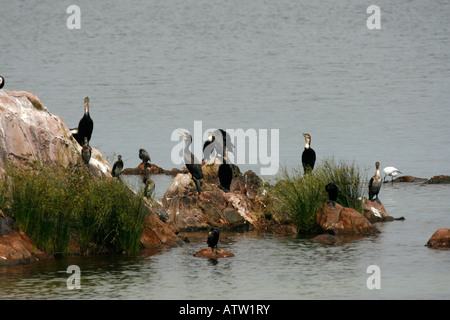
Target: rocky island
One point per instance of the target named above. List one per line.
(30, 134)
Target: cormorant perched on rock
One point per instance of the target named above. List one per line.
(117, 167)
(213, 238)
(375, 183)
(225, 173)
(85, 126)
(2, 82)
(191, 162)
(217, 140)
(308, 155)
(333, 191)
(86, 151)
(144, 156)
(390, 171)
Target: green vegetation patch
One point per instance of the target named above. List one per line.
(57, 207)
(297, 196)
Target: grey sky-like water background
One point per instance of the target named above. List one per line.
(152, 67)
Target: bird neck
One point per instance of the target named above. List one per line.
(188, 155)
(187, 144)
(307, 144)
(86, 108)
(377, 173)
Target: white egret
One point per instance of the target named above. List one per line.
(390, 171)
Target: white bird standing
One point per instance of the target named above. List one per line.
(390, 171)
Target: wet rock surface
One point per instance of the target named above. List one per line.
(15, 246)
(30, 133)
(216, 254)
(440, 239)
(332, 218)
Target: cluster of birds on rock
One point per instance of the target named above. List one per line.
(220, 142)
(375, 182)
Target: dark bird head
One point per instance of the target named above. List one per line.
(377, 165)
(332, 190)
(119, 157)
(144, 156)
(86, 142)
(214, 230)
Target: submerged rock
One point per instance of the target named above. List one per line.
(406, 179)
(332, 218)
(438, 179)
(327, 239)
(440, 239)
(216, 254)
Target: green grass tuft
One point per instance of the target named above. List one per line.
(56, 206)
(297, 196)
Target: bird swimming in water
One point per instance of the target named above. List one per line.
(333, 191)
(144, 156)
(213, 238)
(390, 171)
(225, 173)
(85, 126)
(2, 82)
(308, 155)
(117, 167)
(375, 183)
(192, 163)
(86, 151)
(217, 140)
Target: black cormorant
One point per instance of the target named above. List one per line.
(85, 126)
(375, 183)
(225, 173)
(191, 162)
(213, 238)
(2, 82)
(308, 155)
(144, 156)
(86, 151)
(117, 167)
(217, 140)
(333, 191)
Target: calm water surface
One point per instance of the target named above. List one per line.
(150, 68)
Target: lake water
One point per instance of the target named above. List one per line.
(153, 68)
